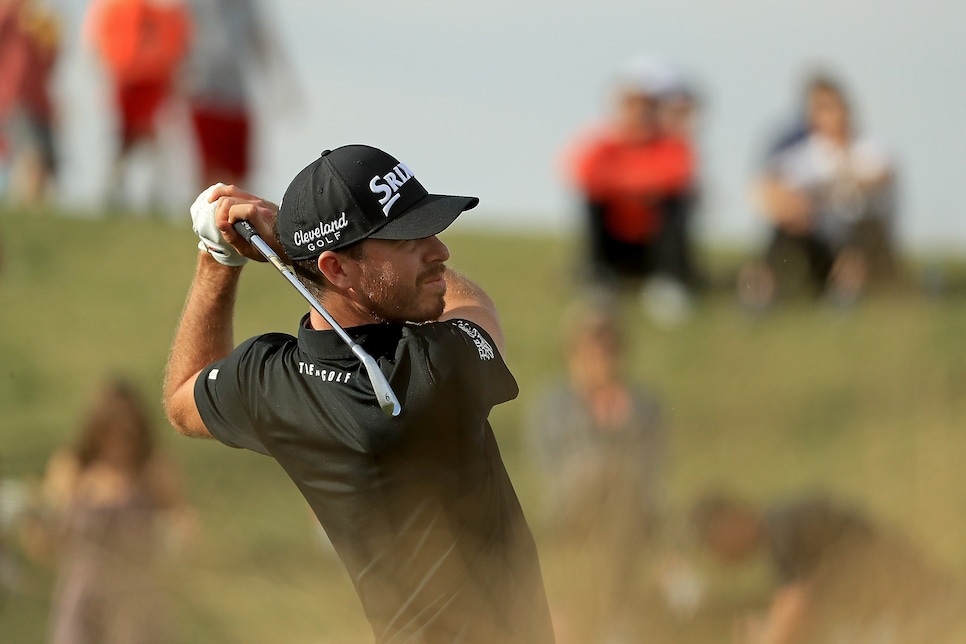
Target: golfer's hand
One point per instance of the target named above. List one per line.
(204, 223)
(227, 204)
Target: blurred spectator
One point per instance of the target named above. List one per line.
(828, 193)
(106, 497)
(636, 178)
(602, 447)
(840, 576)
(232, 42)
(142, 44)
(29, 46)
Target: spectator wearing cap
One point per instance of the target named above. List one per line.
(629, 173)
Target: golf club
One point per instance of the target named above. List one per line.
(384, 393)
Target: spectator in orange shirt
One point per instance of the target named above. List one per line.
(630, 173)
(142, 44)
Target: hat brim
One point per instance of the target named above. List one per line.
(429, 216)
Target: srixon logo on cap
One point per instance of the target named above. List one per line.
(388, 185)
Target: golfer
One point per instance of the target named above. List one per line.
(418, 506)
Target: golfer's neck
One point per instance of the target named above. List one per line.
(347, 313)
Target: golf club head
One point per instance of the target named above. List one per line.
(384, 393)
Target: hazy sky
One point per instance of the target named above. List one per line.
(479, 98)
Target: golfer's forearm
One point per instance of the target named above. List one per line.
(203, 336)
(466, 299)
(462, 291)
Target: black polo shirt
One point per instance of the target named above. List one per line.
(419, 507)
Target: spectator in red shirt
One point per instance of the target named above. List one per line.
(631, 172)
(29, 45)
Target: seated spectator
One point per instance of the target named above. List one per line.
(636, 181)
(840, 576)
(105, 500)
(828, 193)
(601, 445)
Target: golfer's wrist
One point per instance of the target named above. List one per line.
(213, 273)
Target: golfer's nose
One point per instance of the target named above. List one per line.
(435, 251)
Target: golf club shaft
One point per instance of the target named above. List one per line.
(384, 393)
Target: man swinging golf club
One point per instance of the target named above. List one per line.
(416, 501)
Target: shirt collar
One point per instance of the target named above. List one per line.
(378, 339)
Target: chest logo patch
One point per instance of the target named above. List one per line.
(486, 351)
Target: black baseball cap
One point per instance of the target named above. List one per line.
(357, 192)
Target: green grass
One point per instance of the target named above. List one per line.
(867, 404)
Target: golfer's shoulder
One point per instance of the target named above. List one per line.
(264, 345)
(456, 335)
(459, 357)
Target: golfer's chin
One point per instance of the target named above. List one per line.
(431, 314)
(433, 300)
(435, 309)
(428, 312)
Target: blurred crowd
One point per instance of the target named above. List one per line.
(825, 193)
(825, 189)
(203, 55)
(110, 506)
(602, 441)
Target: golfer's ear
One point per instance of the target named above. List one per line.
(333, 266)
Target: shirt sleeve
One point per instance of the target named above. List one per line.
(461, 355)
(222, 396)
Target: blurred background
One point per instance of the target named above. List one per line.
(483, 98)
(759, 414)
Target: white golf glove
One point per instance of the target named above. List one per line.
(203, 223)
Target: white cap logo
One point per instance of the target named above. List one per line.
(389, 184)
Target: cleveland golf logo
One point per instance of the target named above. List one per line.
(388, 186)
(325, 233)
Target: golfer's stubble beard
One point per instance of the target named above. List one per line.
(392, 299)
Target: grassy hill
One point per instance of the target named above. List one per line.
(866, 404)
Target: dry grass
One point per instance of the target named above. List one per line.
(865, 404)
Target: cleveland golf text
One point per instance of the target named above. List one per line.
(321, 232)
